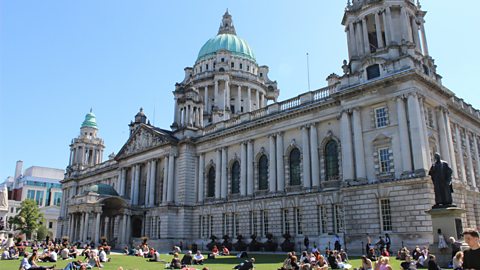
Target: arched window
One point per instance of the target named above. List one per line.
(263, 173)
(331, 160)
(235, 177)
(211, 182)
(294, 160)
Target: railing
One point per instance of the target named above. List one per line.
(319, 95)
(465, 107)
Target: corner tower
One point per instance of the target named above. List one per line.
(225, 82)
(386, 36)
(87, 149)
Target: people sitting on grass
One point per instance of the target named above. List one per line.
(321, 263)
(457, 262)
(383, 264)
(187, 259)
(366, 263)
(385, 252)
(175, 263)
(408, 264)
(246, 265)
(155, 257)
(305, 261)
(198, 258)
(403, 253)
(102, 255)
(215, 251)
(225, 251)
(49, 256)
(7, 254)
(31, 263)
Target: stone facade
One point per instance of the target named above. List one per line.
(348, 159)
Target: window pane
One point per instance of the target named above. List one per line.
(384, 158)
(211, 182)
(331, 160)
(381, 117)
(235, 177)
(295, 167)
(263, 173)
(386, 215)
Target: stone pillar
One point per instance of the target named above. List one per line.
(385, 27)
(416, 36)
(224, 184)
(250, 185)
(470, 169)
(132, 185)
(350, 40)
(249, 101)
(218, 173)
(450, 145)
(147, 185)
(176, 116)
(106, 225)
(347, 150)
(262, 100)
(165, 180)
(243, 169)
(205, 98)
(306, 158)
(366, 42)
(477, 158)
(128, 233)
(82, 224)
(227, 95)
(378, 29)
(201, 117)
(257, 98)
(70, 228)
(97, 228)
(424, 38)
(124, 229)
(215, 98)
(314, 153)
(153, 174)
(406, 31)
(403, 135)
(442, 132)
(358, 38)
(272, 170)
(280, 166)
(201, 179)
(85, 227)
(171, 173)
(137, 183)
(238, 103)
(390, 27)
(463, 176)
(358, 145)
(419, 148)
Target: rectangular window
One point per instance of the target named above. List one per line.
(286, 223)
(232, 65)
(224, 221)
(338, 218)
(241, 66)
(210, 226)
(255, 223)
(384, 160)
(31, 194)
(265, 223)
(321, 219)
(381, 117)
(57, 198)
(227, 224)
(39, 197)
(386, 215)
(298, 218)
(50, 225)
(204, 227)
(234, 232)
(158, 229)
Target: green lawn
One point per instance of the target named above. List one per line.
(263, 262)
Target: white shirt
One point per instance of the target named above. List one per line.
(54, 255)
(25, 264)
(103, 256)
(64, 253)
(5, 255)
(198, 257)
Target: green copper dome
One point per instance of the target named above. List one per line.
(90, 120)
(103, 189)
(228, 42)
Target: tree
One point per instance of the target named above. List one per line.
(29, 218)
(42, 233)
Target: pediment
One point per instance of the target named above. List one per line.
(144, 139)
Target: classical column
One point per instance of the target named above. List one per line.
(424, 38)
(353, 44)
(201, 117)
(463, 176)
(97, 228)
(386, 28)
(359, 38)
(349, 41)
(82, 224)
(249, 101)
(250, 186)
(442, 132)
(390, 27)
(137, 183)
(347, 150)
(215, 97)
(451, 146)
(257, 98)
(243, 169)
(262, 100)
(153, 173)
(280, 166)
(403, 135)
(272, 170)
(176, 116)
(224, 188)
(227, 95)
(132, 185)
(406, 30)
(378, 29)
(171, 173)
(124, 229)
(314, 154)
(70, 227)
(306, 158)
(358, 145)
(147, 185)
(218, 173)
(238, 103)
(165, 180)
(85, 227)
(366, 42)
(417, 133)
(201, 179)
(470, 168)
(205, 99)
(105, 226)
(477, 158)
(416, 36)
(128, 233)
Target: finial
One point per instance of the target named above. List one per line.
(141, 109)
(91, 109)
(226, 27)
(418, 4)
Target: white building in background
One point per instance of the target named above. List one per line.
(351, 158)
(40, 184)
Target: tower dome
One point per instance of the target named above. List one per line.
(90, 120)
(227, 40)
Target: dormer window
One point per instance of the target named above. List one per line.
(373, 71)
(206, 67)
(232, 64)
(241, 66)
(248, 68)
(261, 74)
(223, 60)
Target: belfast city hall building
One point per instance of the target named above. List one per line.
(340, 162)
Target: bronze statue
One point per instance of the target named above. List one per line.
(441, 175)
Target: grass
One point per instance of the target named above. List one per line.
(263, 262)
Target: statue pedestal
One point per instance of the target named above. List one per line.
(449, 221)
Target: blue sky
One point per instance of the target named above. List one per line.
(59, 58)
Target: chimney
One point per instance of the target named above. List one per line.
(18, 169)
